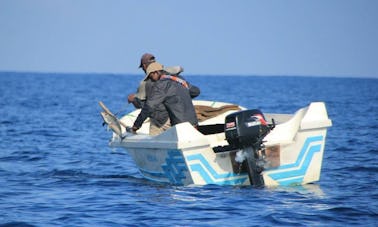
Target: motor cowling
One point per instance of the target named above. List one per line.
(245, 128)
(245, 131)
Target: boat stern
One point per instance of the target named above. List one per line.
(295, 150)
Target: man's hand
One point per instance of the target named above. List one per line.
(132, 129)
(130, 98)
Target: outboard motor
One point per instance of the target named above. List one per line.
(245, 131)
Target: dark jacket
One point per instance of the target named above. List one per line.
(166, 96)
(194, 91)
(160, 115)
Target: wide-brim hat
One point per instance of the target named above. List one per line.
(153, 67)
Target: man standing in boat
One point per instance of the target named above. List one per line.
(168, 91)
(138, 98)
(160, 118)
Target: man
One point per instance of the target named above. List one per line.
(159, 120)
(170, 92)
(139, 97)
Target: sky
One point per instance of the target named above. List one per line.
(337, 38)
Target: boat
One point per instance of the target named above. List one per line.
(232, 145)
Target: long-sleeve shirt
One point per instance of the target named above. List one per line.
(174, 97)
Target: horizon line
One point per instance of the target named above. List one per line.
(137, 74)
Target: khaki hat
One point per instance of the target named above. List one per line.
(153, 67)
(146, 58)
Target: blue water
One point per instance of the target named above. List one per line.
(56, 168)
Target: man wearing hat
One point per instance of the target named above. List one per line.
(159, 119)
(139, 97)
(168, 91)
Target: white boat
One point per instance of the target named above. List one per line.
(232, 148)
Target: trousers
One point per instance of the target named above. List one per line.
(155, 130)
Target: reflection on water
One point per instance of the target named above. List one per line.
(307, 189)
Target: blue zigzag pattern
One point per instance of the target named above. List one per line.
(287, 176)
(174, 167)
(208, 173)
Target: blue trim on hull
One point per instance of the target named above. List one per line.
(174, 169)
(288, 176)
(207, 172)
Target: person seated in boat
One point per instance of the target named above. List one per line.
(166, 91)
(138, 98)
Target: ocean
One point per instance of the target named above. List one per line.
(56, 168)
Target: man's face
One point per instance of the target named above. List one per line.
(154, 76)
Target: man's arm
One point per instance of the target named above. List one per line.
(194, 91)
(156, 97)
(142, 116)
(139, 98)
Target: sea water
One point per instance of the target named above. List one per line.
(56, 168)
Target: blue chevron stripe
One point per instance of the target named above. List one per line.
(220, 179)
(291, 181)
(175, 167)
(288, 176)
(204, 162)
(302, 152)
(300, 171)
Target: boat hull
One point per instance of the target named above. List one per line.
(182, 155)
